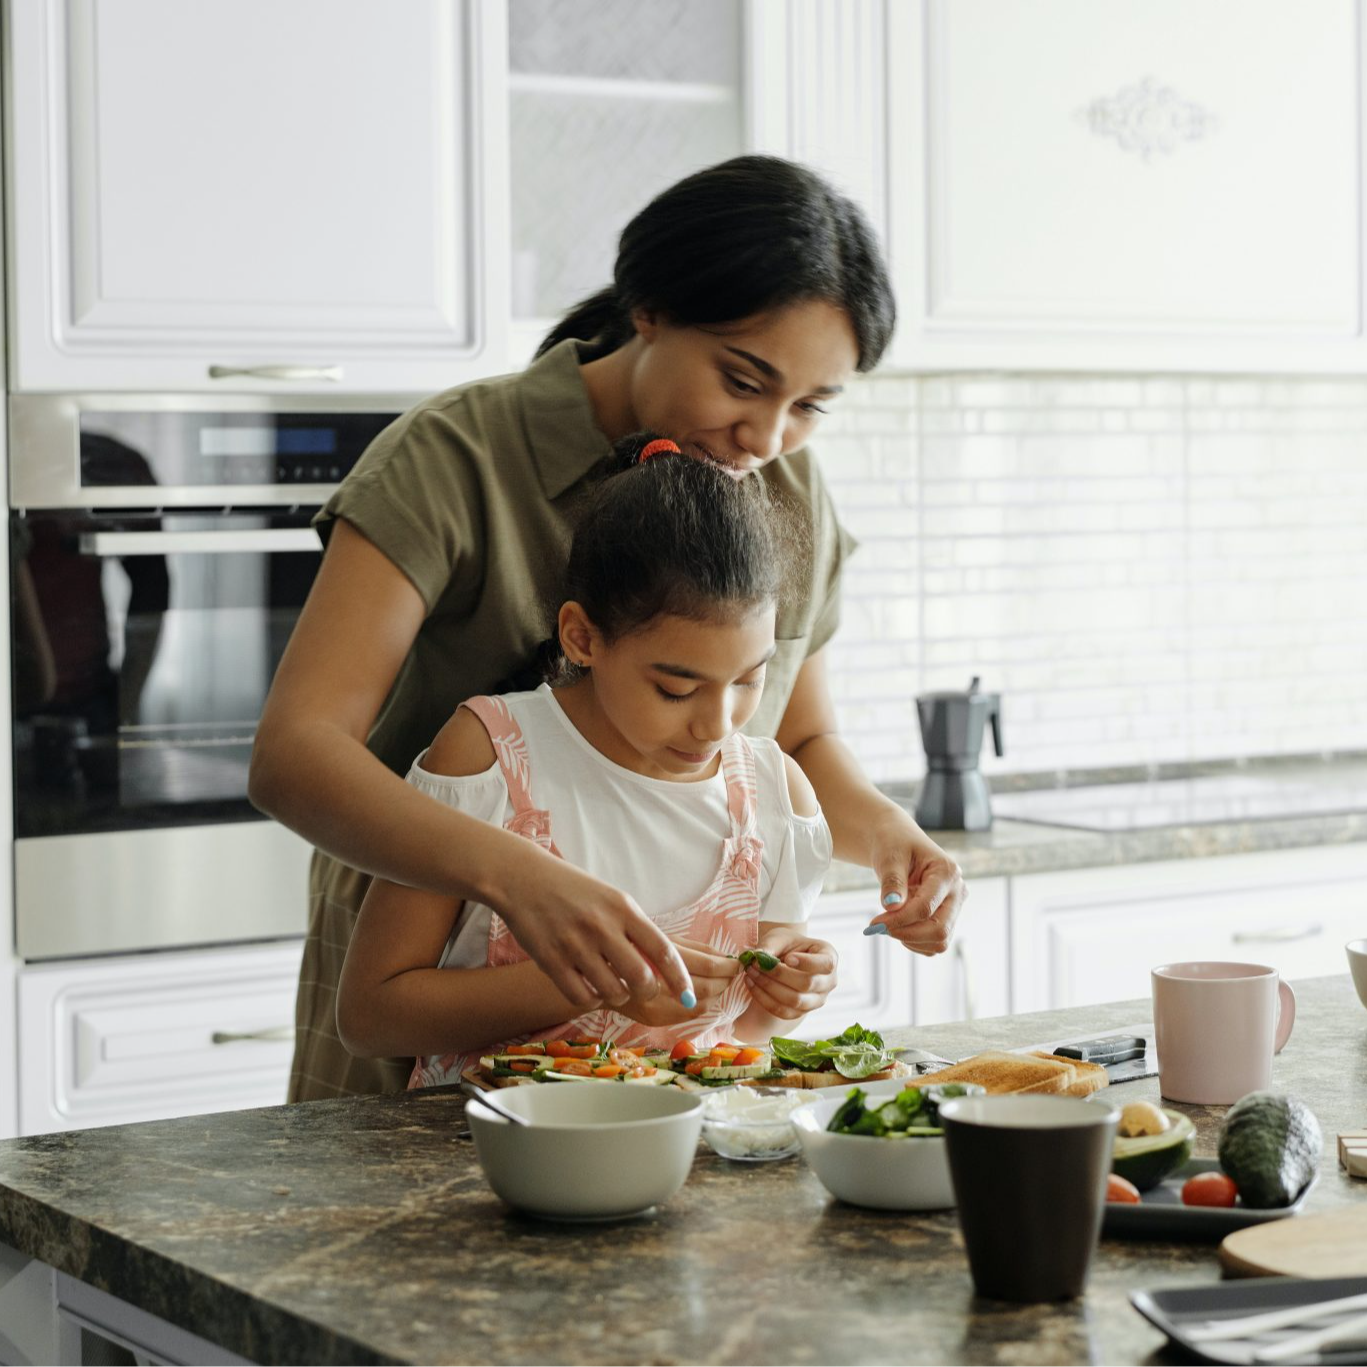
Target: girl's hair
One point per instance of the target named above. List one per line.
(676, 536)
(748, 235)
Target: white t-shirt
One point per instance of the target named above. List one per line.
(656, 840)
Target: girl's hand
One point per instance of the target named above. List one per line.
(804, 978)
(712, 974)
(592, 940)
(922, 888)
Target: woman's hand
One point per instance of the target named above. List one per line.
(592, 940)
(804, 978)
(712, 974)
(922, 887)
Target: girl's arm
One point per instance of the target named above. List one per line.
(921, 886)
(312, 772)
(393, 1000)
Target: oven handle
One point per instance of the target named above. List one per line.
(294, 373)
(202, 543)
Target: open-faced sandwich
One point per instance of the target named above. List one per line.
(1036, 1074)
(857, 1055)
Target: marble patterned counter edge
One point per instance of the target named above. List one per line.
(1020, 847)
(363, 1231)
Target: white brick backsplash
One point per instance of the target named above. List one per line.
(1149, 569)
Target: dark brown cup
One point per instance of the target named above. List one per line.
(1030, 1181)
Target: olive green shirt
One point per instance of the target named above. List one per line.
(473, 495)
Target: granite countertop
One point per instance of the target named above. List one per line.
(362, 1230)
(1338, 816)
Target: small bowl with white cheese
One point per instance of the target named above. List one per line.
(752, 1124)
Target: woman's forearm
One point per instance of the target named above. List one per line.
(447, 1010)
(352, 806)
(853, 807)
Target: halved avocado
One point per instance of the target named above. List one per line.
(1146, 1159)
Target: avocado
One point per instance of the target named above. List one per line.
(1146, 1159)
(1270, 1144)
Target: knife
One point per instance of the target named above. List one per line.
(1126, 1054)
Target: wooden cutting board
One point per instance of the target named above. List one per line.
(1333, 1244)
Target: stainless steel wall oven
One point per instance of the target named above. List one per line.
(160, 553)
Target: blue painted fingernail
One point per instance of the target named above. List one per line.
(879, 929)
(891, 899)
(688, 999)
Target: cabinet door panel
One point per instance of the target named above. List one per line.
(972, 979)
(153, 1036)
(1111, 187)
(1094, 935)
(238, 183)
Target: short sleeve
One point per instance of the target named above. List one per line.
(802, 865)
(484, 796)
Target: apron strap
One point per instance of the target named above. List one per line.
(742, 790)
(510, 749)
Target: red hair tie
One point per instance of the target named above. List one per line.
(658, 447)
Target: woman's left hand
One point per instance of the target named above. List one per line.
(921, 886)
(804, 978)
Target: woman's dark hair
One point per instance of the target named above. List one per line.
(748, 235)
(671, 535)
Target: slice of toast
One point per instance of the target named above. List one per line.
(999, 1072)
(1087, 1077)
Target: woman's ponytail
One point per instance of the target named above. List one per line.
(598, 318)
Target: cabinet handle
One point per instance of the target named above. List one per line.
(298, 373)
(270, 1034)
(1276, 937)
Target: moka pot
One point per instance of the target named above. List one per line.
(954, 796)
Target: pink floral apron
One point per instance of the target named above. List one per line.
(725, 917)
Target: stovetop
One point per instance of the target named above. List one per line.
(1202, 800)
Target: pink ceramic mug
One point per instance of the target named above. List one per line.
(1216, 1028)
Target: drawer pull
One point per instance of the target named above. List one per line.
(960, 952)
(1277, 937)
(298, 374)
(271, 1034)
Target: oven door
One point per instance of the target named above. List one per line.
(144, 644)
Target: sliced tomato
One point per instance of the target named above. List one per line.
(583, 1051)
(557, 1048)
(1118, 1189)
(1209, 1189)
(683, 1049)
(522, 1067)
(608, 1070)
(748, 1056)
(725, 1051)
(695, 1069)
(575, 1067)
(525, 1049)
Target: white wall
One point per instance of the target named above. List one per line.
(1149, 569)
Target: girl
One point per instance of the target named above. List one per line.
(634, 769)
(744, 298)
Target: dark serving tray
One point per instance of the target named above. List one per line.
(1177, 1312)
(1161, 1214)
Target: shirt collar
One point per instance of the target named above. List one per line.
(558, 419)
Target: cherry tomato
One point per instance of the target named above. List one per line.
(607, 1070)
(557, 1048)
(683, 1049)
(1209, 1189)
(748, 1056)
(1119, 1189)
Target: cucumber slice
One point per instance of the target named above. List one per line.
(1146, 1159)
(732, 1071)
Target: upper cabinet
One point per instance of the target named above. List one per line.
(1157, 186)
(245, 195)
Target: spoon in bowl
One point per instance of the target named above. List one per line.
(490, 1102)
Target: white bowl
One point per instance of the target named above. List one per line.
(886, 1174)
(597, 1152)
(1357, 965)
(752, 1124)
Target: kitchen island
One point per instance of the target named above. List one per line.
(362, 1231)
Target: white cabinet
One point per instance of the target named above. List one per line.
(244, 195)
(1165, 186)
(972, 979)
(1092, 935)
(145, 1037)
(883, 984)
(874, 973)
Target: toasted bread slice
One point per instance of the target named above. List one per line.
(797, 1077)
(1087, 1077)
(1000, 1072)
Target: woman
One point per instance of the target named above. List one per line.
(744, 298)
